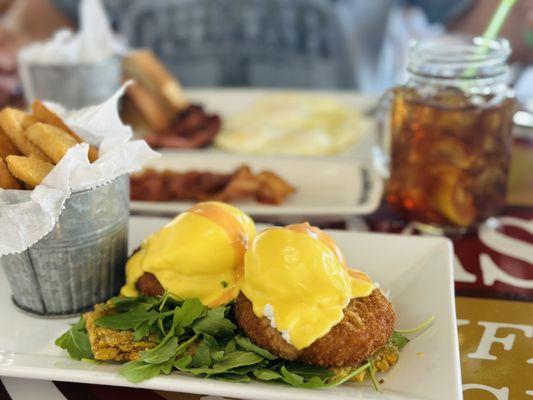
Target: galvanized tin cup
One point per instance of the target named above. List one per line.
(71, 85)
(81, 261)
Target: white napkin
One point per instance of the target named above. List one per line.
(93, 43)
(27, 216)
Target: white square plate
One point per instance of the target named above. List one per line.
(324, 187)
(416, 271)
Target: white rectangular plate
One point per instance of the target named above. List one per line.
(228, 101)
(416, 271)
(324, 187)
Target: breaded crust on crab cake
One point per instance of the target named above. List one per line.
(367, 325)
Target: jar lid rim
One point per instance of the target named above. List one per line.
(447, 47)
(451, 54)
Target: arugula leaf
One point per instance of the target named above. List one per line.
(291, 378)
(308, 371)
(163, 300)
(246, 344)
(161, 327)
(182, 363)
(185, 345)
(211, 342)
(214, 323)
(138, 371)
(230, 347)
(267, 374)
(76, 341)
(217, 355)
(160, 354)
(141, 331)
(398, 340)
(346, 378)
(202, 356)
(190, 310)
(316, 382)
(166, 368)
(245, 369)
(372, 373)
(229, 362)
(127, 320)
(123, 304)
(236, 359)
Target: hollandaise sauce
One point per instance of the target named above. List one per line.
(296, 276)
(198, 254)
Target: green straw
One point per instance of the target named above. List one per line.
(492, 30)
(498, 19)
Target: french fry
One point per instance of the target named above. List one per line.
(6, 146)
(29, 170)
(13, 123)
(44, 114)
(53, 141)
(7, 181)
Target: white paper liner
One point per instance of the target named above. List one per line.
(27, 216)
(93, 43)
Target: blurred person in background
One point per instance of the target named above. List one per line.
(350, 44)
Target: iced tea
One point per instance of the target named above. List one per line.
(449, 155)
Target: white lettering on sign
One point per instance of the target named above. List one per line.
(505, 244)
(499, 394)
(462, 322)
(492, 273)
(489, 337)
(460, 274)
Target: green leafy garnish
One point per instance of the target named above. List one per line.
(398, 340)
(309, 371)
(422, 327)
(372, 373)
(76, 341)
(246, 344)
(227, 363)
(183, 362)
(138, 371)
(215, 323)
(191, 338)
(162, 353)
(267, 375)
(130, 319)
(202, 356)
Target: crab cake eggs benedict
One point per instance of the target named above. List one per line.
(300, 301)
(198, 254)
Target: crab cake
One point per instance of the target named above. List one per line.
(148, 285)
(366, 327)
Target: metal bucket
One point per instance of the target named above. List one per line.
(81, 261)
(71, 85)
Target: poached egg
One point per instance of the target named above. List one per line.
(198, 254)
(297, 277)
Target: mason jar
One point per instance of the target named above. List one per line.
(448, 133)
